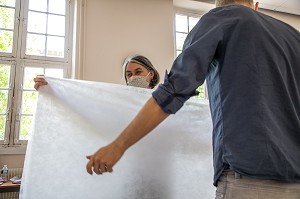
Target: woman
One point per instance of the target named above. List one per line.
(138, 71)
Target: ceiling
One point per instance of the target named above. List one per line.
(287, 6)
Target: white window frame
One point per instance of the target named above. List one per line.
(188, 13)
(16, 33)
(18, 60)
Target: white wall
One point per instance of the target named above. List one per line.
(293, 20)
(116, 28)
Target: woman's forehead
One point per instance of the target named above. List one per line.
(134, 66)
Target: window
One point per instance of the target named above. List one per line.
(183, 25)
(34, 39)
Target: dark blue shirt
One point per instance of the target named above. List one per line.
(251, 63)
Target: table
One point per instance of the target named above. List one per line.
(9, 187)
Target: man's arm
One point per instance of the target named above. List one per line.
(146, 120)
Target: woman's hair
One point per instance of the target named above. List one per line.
(143, 61)
(225, 2)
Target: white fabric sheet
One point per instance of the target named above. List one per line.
(75, 118)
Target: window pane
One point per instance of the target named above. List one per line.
(26, 127)
(181, 23)
(36, 22)
(192, 22)
(7, 18)
(2, 126)
(184, 24)
(6, 41)
(38, 5)
(180, 38)
(56, 25)
(54, 72)
(201, 91)
(29, 74)
(3, 101)
(29, 100)
(35, 45)
(57, 6)
(4, 76)
(55, 46)
(8, 3)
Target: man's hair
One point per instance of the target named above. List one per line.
(225, 2)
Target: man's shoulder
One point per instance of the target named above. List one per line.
(233, 14)
(241, 13)
(231, 8)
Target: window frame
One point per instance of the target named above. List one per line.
(68, 30)
(16, 116)
(187, 13)
(7, 132)
(18, 60)
(15, 33)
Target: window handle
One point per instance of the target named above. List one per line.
(10, 87)
(8, 115)
(18, 115)
(6, 142)
(17, 20)
(24, 21)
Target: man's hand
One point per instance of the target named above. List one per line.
(39, 81)
(104, 159)
(146, 120)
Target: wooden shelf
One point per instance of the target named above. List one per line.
(9, 187)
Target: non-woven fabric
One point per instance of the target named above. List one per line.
(75, 118)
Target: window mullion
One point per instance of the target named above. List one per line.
(11, 137)
(17, 102)
(17, 28)
(22, 29)
(9, 111)
(24, 66)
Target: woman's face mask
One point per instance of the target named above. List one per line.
(138, 81)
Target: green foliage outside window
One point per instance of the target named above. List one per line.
(6, 25)
(6, 41)
(29, 96)
(201, 91)
(4, 77)
(2, 127)
(4, 82)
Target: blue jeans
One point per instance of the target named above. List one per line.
(235, 186)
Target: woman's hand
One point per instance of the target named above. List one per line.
(39, 81)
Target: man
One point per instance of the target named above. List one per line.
(251, 64)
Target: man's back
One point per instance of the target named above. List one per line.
(257, 113)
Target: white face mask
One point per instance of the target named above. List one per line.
(138, 81)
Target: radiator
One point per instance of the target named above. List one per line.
(9, 195)
(11, 173)
(15, 172)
